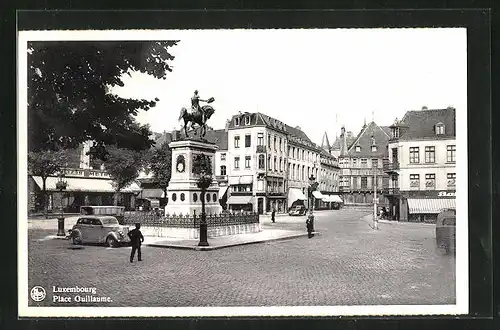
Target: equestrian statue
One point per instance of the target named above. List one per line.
(198, 114)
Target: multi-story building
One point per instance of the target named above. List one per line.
(304, 161)
(87, 184)
(421, 158)
(257, 147)
(328, 178)
(361, 166)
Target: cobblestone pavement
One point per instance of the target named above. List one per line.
(347, 264)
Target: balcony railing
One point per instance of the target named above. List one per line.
(391, 191)
(261, 149)
(390, 166)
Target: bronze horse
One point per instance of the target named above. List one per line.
(197, 118)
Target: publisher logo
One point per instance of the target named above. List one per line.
(38, 293)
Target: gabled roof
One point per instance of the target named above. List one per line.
(365, 141)
(420, 123)
(350, 138)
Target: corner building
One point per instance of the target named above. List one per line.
(420, 161)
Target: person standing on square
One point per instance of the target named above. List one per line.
(136, 239)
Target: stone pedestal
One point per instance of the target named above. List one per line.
(182, 192)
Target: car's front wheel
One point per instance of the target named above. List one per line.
(76, 238)
(111, 242)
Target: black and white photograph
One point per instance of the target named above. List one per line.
(243, 172)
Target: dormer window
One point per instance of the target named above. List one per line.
(247, 120)
(358, 148)
(439, 129)
(374, 148)
(237, 121)
(395, 132)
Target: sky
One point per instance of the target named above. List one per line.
(316, 79)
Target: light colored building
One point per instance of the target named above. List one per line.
(360, 163)
(328, 176)
(421, 164)
(304, 161)
(257, 160)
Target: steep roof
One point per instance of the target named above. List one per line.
(350, 138)
(421, 123)
(219, 137)
(365, 141)
(325, 144)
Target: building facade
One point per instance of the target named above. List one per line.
(304, 161)
(87, 184)
(420, 161)
(361, 165)
(257, 159)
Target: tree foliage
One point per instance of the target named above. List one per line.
(160, 164)
(46, 163)
(123, 166)
(68, 92)
(202, 166)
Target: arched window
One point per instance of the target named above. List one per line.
(208, 197)
(183, 197)
(174, 197)
(214, 197)
(195, 197)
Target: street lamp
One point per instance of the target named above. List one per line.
(313, 185)
(375, 170)
(61, 186)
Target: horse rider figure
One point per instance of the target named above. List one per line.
(195, 105)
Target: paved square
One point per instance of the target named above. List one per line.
(347, 264)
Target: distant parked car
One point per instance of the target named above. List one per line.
(445, 231)
(298, 210)
(99, 229)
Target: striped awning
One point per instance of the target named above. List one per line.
(332, 198)
(239, 200)
(318, 195)
(84, 185)
(429, 205)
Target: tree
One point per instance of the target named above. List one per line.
(123, 166)
(202, 167)
(44, 164)
(160, 164)
(68, 94)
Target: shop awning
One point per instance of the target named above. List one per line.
(84, 185)
(333, 198)
(222, 191)
(429, 205)
(244, 179)
(239, 200)
(318, 195)
(151, 193)
(295, 194)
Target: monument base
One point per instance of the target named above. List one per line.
(194, 233)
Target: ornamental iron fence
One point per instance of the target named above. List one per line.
(190, 221)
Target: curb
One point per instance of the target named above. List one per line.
(210, 248)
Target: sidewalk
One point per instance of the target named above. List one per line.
(285, 227)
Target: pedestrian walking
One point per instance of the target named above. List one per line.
(273, 213)
(136, 239)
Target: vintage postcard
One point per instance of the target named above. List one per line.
(317, 172)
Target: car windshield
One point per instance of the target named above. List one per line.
(109, 221)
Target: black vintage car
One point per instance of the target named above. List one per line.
(445, 231)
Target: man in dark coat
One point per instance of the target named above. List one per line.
(136, 239)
